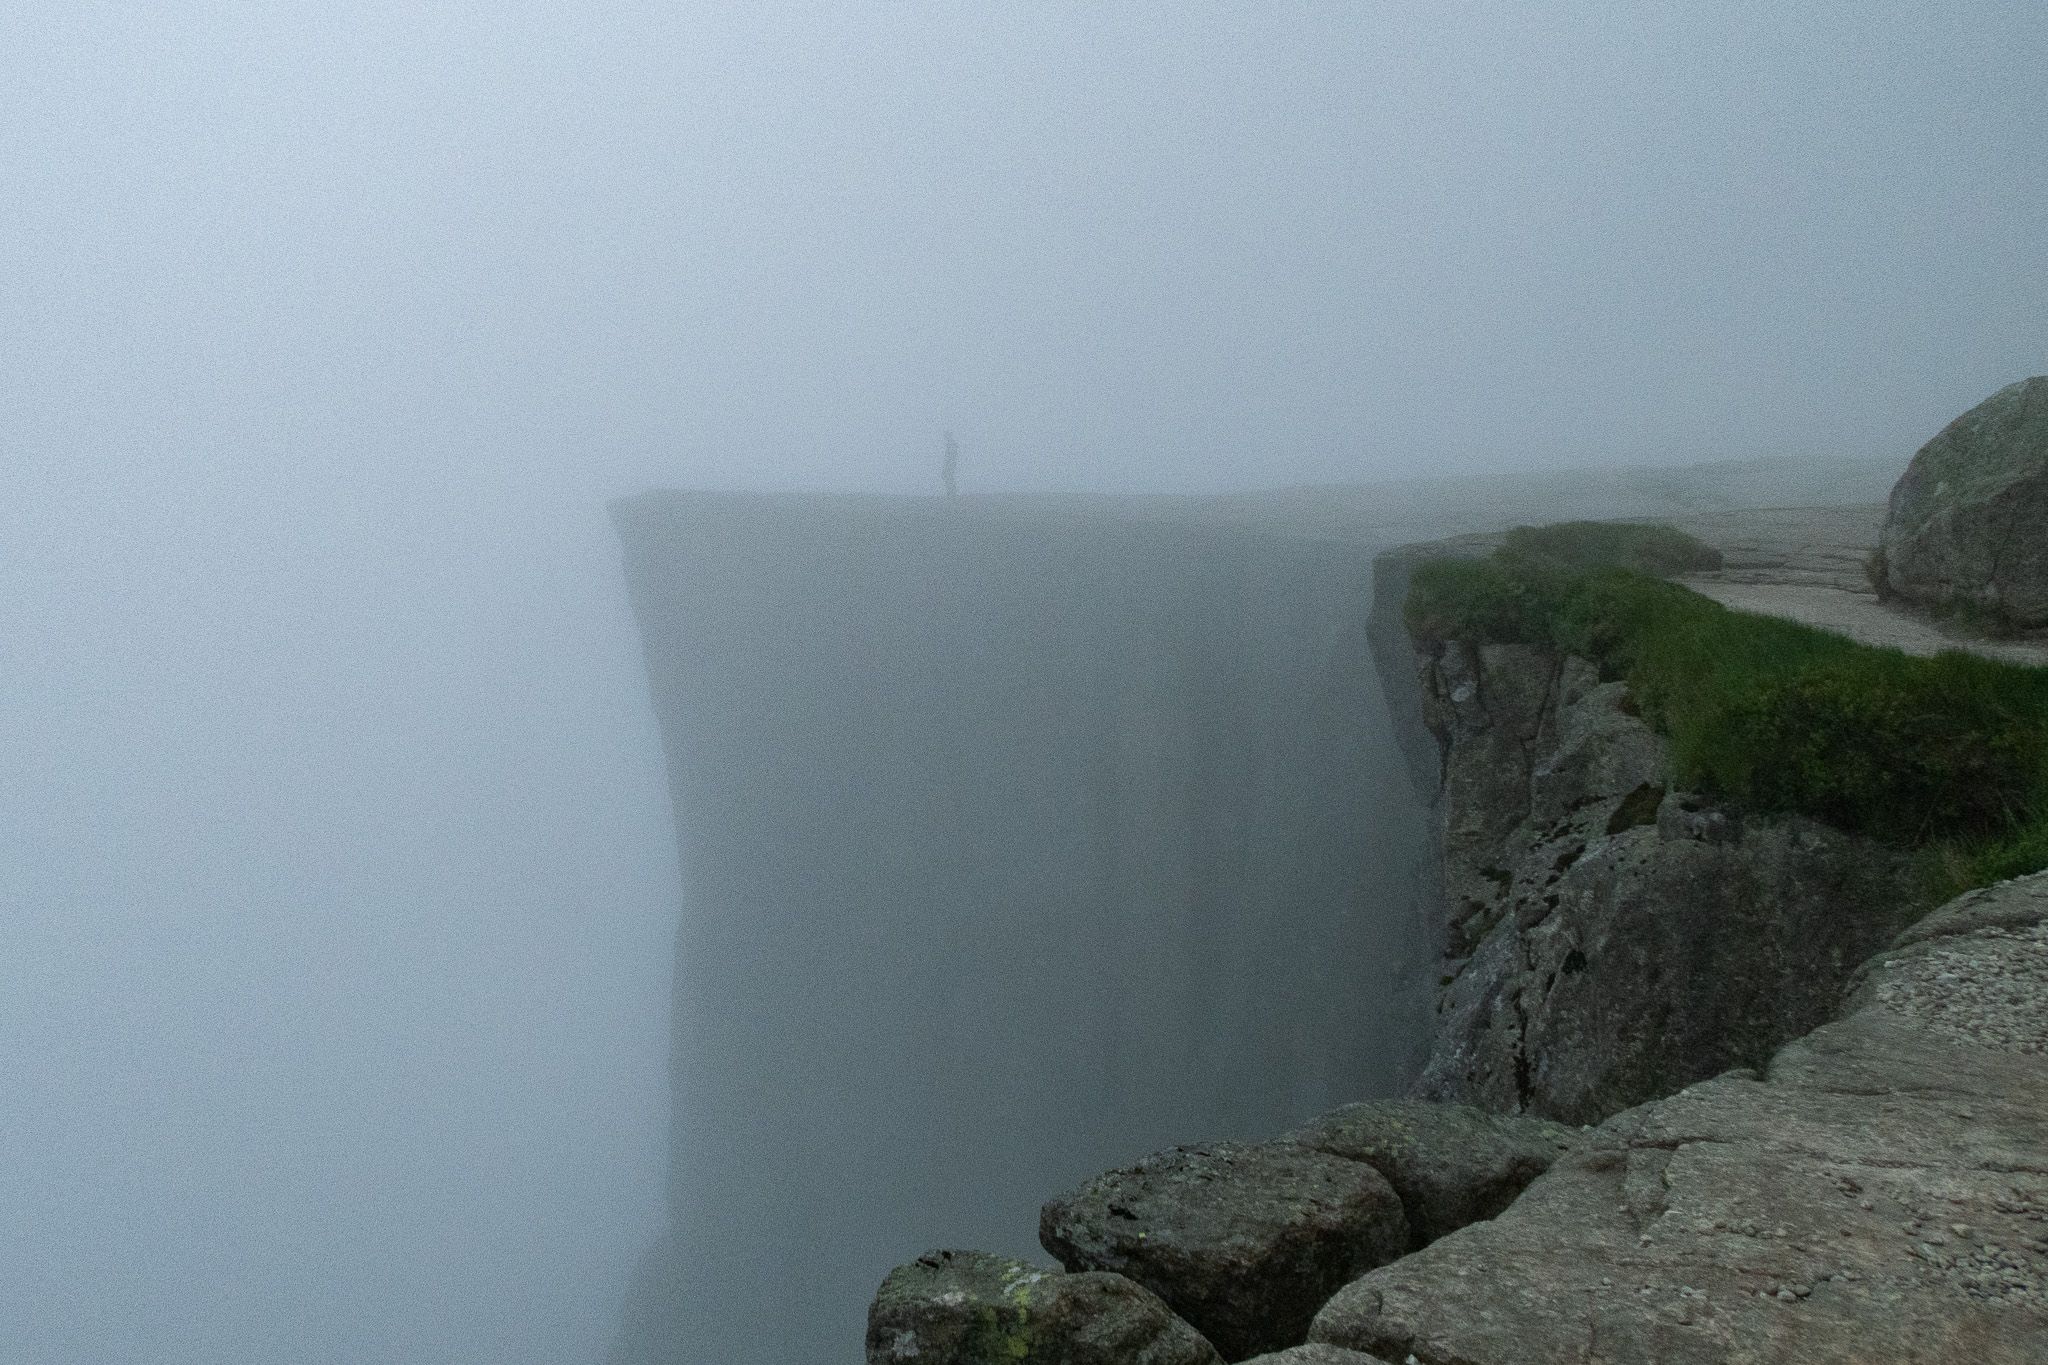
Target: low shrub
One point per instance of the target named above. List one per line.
(1515, 594)
(1480, 599)
(1578, 546)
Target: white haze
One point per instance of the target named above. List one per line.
(336, 883)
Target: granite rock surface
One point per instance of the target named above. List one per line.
(1609, 939)
(1964, 524)
(970, 1308)
(1244, 1240)
(1878, 1193)
(1451, 1164)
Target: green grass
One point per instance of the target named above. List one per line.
(1947, 755)
(1577, 546)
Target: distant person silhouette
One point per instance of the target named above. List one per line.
(951, 468)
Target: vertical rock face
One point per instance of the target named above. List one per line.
(1012, 846)
(1608, 940)
(1963, 528)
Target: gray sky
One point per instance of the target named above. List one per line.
(1111, 244)
(337, 884)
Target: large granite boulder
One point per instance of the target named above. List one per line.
(1451, 1164)
(1244, 1240)
(1968, 523)
(971, 1308)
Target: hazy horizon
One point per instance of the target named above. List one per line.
(336, 871)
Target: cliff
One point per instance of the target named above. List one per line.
(1816, 1130)
(1014, 838)
(1608, 939)
(1852, 1164)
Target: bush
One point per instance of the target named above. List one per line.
(1516, 593)
(1579, 546)
(1889, 751)
(1479, 599)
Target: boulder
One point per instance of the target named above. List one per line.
(971, 1308)
(1451, 1164)
(1244, 1240)
(1316, 1353)
(1968, 522)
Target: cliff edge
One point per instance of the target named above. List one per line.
(1878, 1193)
(1812, 1129)
(1607, 937)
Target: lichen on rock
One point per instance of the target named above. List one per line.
(973, 1308)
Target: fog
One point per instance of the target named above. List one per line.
(338, 883)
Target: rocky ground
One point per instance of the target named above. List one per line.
(1879, 1193)
(1809, 565)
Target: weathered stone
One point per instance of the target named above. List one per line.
(1880, 1195)
(1316, 1353)
(1244, 1240)
(1495, 698)
(1451, 1164)
(1608, 940)
(1968, 522)
(971, 1308)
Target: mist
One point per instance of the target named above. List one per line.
(338, 878)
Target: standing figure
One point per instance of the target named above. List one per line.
(950, 469)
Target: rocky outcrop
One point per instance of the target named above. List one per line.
(1832, 1156)
(969, 1308)
(1964, 525)
(1450, 1164)
(1017, 840)
(1879, 1193)
(1609, 939)
(1317, 1354)
(1244, 1240)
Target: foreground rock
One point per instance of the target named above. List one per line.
(1316, 1354)
(969, 1308)
(1964, 525)
(1881, 1194)
(1245, 1241)
(1609, 939)
(1451, 1164)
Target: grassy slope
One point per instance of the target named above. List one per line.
(1946, 755)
